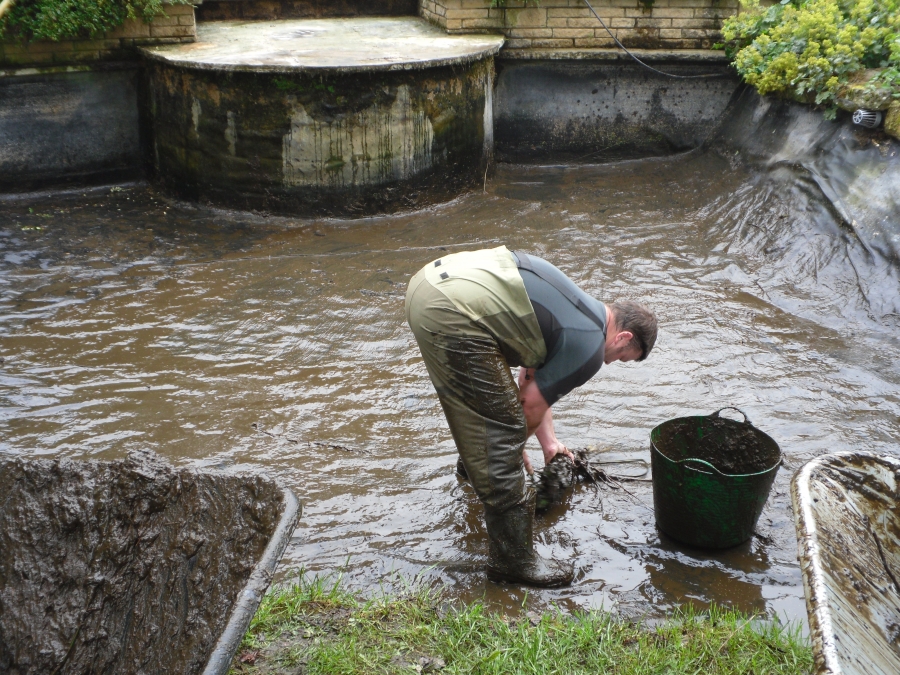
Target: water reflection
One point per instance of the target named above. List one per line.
(235, 341)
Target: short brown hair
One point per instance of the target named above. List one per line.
(637, 320)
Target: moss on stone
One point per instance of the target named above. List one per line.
(863, 91)
(892, 120)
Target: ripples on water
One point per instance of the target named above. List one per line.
(243, 342)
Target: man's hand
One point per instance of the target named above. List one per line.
(556, 448)
(549, 454)
(539, 419)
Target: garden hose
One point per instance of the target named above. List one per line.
(647, 66)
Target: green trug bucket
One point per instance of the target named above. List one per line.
(711, 478)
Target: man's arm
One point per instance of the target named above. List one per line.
(538, 419)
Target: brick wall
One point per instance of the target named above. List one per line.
(562, 24)
(177, 26)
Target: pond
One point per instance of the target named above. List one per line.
(244, 342)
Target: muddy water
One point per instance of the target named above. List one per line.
(251, 343)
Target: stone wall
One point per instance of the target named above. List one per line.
(563, 24)
(176, 26)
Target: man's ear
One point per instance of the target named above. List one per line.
(624, 337)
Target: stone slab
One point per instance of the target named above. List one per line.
(892, 120)
(325, 46)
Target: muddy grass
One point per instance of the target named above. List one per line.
(314, 626)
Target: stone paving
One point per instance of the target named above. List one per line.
(343, 45)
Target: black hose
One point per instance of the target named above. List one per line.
(647, 66)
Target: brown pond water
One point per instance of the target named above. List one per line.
(242, 342)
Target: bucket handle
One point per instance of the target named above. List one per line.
(731, 407)
(707, 464)
(704, 463)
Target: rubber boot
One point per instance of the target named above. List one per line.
(512, 557)
(461, 469)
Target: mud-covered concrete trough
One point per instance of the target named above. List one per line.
(132, 566)
(321, 117)
(845, 505)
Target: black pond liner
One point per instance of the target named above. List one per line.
(711, 478)
(132, 566)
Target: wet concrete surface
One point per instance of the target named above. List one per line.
(326, 45)
(232, 340)
(69, 128)
(597, 110)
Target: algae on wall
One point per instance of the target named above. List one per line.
(378, 145)
(337, 144)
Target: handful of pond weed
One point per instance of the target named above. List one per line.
(551, 482)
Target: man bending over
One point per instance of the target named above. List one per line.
(476, 314)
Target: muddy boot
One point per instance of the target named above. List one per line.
(461, 469)
(512, 557)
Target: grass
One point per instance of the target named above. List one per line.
(314, 626)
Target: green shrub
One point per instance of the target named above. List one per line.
(66, 19)
(808, 49)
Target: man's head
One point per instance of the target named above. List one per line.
(631, 333)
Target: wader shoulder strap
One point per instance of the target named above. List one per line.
(523, 261)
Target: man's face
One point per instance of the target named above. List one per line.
(619, 348)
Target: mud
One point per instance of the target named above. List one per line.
(732, 447)
(128, 566)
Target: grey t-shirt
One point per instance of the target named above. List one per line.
(575, 343)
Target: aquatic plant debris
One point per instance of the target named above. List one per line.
(552, 482)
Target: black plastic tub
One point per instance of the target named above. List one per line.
(132, 566)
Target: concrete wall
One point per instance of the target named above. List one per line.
(68, 128)
(69, 109)
(176, 26)
(309, 144)
(561, 24)
(81, 125)
(593, 110)
(59, 128)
